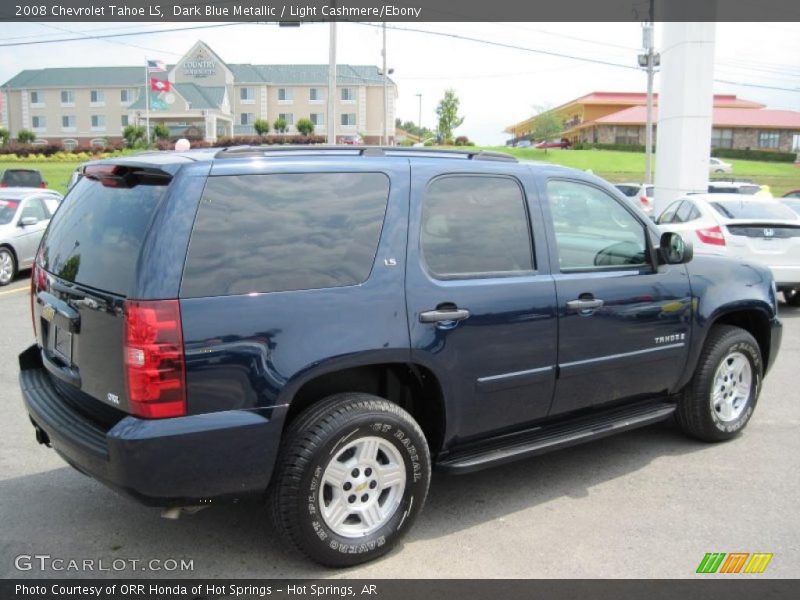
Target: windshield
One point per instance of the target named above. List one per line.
(8, 208)
(759, 209)
(96, 235)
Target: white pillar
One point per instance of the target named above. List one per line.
(685, 105)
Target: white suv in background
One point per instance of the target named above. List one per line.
(640, 193)
(716, 165)
(756, 229)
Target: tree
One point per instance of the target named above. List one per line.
(447, 111)
(261, 126)
(4, 136)
(161, 131)
(25, 136)
(280, 126)
(134, 135)
(305, 126)
(546, 125)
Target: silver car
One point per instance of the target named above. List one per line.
(24, 215)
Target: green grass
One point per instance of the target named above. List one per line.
(629, 166)
(56, 174)
(611, 165)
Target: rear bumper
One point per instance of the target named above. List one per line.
(786, 277)
(161, 462)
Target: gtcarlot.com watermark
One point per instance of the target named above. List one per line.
(47, 562)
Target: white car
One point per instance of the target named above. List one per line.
(756, 229)
(638, 192)
(24, 215)
(716, 165)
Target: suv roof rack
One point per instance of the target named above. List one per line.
(267, 151)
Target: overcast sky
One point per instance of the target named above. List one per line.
(497, 86)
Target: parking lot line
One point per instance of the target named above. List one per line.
(15, 290)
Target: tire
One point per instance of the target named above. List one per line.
(8, 266)
(329, 459)
(792, 297)
(717, 404)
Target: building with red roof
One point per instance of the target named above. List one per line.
(620, 117)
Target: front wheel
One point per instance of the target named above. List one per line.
(720, 399)
(351, 478)
(8, 266)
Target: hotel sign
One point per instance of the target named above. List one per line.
(200, 65)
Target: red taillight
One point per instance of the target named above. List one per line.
(154, 359)
(644, 201)
(712, 235)
(38, 283)
(42, 185)
(3, 184)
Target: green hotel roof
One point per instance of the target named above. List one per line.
(243, 74)
(196, 95)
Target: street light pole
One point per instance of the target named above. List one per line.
(385, 133)
(651, 60)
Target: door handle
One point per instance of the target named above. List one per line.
(585, 304)
(443, 314)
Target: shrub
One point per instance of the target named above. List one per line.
(747, 154)
(261, 126)
(305, 126)
(4, 136)
(280, 126)
(462, 140)
(430, 142)
(134, 135)
(160, 131)
(25, 136)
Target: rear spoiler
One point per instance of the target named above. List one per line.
(126, 175)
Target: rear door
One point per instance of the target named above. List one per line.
(479, 295)
(623, 320)
(28, 236)
(86, 269)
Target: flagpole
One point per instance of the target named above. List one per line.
(147, 101)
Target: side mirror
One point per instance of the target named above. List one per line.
(674, 250)
(28, 221)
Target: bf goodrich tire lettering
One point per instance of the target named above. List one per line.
(321, 499)
(721, 398)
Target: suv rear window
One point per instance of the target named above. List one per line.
(280, 232)
(21, 178)
(756, 209)
(96, 235)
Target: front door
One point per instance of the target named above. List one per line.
(481, 313)
(624, 322)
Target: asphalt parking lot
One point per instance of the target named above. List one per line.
(646, 504)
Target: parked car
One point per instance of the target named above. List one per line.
(24, 215)
(759, 230)
(792, 194)
(523, 144)
(325, 326)
(74, 178)
(352, 140)
(638, 193)
(715, 165)
(22, 178)
(562, 143)
(730, 186)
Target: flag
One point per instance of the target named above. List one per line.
(156, 66)
(159, 85)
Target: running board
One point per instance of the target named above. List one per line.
(549, 437)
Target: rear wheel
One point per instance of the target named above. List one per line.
(351, 478)
(720, 399)
(8, 266)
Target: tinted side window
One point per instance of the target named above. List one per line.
(475, 226)
(668, 215)
(36, 209)
(280, 232)
(685, 212)
(593, 229)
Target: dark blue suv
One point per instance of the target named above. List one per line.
(324, 325)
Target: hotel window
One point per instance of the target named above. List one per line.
(348, 94)
(318, 119)
(349, 119)
(68, 122)
(37, 99)
(721, 138)
(627, 135)
(316, 95)
(769, 139)
(98, 122)
(285, 95)
(38, 123)
(124, 121)
(67, 98)
(127, 96)
(97, 98)
(247, 95)
(247, 118)
(288, 117)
